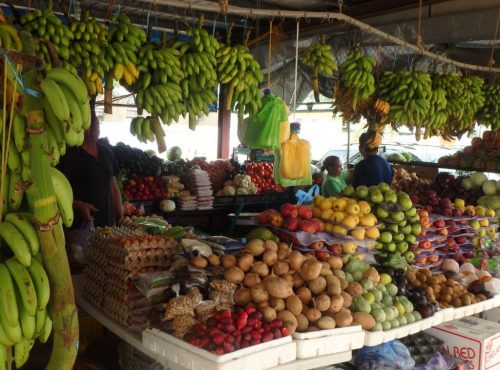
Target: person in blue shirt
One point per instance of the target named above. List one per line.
(373, 169)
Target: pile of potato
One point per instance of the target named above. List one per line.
(304, 293)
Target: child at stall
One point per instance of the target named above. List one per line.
(336, 180)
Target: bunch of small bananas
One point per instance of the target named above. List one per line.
(356, 75)
(9, 38)
(147, 129)
(124, 41)
(90, 38)
(47, 26)
(472, 99)
(240, 74)
(199, 64)
(158, 87)
(408, 93)
(489, 114)
(319, 56)
(343, 104)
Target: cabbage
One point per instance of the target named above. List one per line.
(242, 191)
(167, 205)
(490, 187)
(467, 183)
(478, 178)
(482, 201)
(229, 190)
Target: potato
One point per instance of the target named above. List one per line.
(242, 297)
(286, 315)
(336, 303)
(277, 303)
(325, 269)
(339, 273)
(343, 318)
(255, 247)
(311, 329)
(262, 305)
(303, 323)
(304, 294)
(245, 262)
(310, 269)
(335, 262)
(294, 304)
(251, 279)
(199, 261)
(343, 283)
(347, 300)
(297, 280)
(228, 261)
(269, 313)
(313, 314)
(322, 302)
(354, 288)
(261, 269)
(214, 260)
(259, 293)
(288, 278)
(270, 257)
(278, 287)
(364, 319)
(271, 245)
(295, 260)
(281, 268)
(372, 274)
(333, 284)
(234, 275)
(317, 285)
(326, 322)
(283, 251)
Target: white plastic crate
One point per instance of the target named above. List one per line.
(326, 342)
(317, 362)
(180, 354)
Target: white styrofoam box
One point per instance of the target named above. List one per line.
(458, 313)
(472, 339)
(325, 342)
(447, 314)
(493, 314)
(181, 354)
(317, 363)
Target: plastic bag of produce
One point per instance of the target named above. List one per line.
(263, 130)
(391, 356)
(78, 245)
(292, 164)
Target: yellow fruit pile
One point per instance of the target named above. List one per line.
(342, 214)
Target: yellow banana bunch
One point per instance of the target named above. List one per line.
(239, 73)
(489, 114)
(382, 107)
(90, 38)
(47, 26)
(408, 94)
(320, 58)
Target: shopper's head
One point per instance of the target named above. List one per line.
(368, 143)
(333, 165)
(93, 132)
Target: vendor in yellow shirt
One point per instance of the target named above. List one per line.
(336, 180)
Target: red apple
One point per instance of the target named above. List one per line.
(461, 239)
(307, 226)
(288, 210)
(457, 212)
(317, 245)
(275, 220)
(415, 199)
(291, 223)
(336, 249)
(320, 225)
(263, 218)
(448, 212)
(429, 208)
(469, 212)
(439, 223)
(322, 255)
(304, 212)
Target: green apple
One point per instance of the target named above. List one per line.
(411, 239)
(411, 212)
(376, 196)
(409, 256)
(384, 186)
(405, 203)
(406, 229)
(379, 246)
(398, 237)
(392, 227)
(382, 213)
(398, 216)
(403, 223)
(382, 255)
(416, 229)
(390, 247)
(349, 190)
(402, 247)
(362, 192)
(414, 219)
(385, 237)
(390, 197)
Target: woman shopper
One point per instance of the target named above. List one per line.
(335, 180)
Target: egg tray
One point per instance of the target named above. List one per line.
(147, 242)
(140, 263)
(422, 346)
(114, 304)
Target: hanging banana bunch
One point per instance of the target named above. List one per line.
(53, 34)
(437, 117)
(408, 94)
(240, 75)
(90, 38)
(320, 58)
(489, 114)
(9, 38)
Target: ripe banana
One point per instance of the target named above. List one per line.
(16, 242)
(24, 284)
(9, 314)
(23, 222)
(64, 195)
(320, 58)
(40, 282)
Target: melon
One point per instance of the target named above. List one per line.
(490, 187)
(467, 183)
(167, 205)
(478, 178)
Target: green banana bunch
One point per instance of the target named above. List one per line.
(9, 38)
(146, 129)
(90, 38)
(489, 114)
(472, 99)
(356, 75)
(408, 94)
(239, 73)
(320, 58)
(46, 26)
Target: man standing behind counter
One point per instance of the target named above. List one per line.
(91, 171)
(373, 169)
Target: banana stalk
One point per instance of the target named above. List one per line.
(50, 232)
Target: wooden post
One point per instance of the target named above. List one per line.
(224, 124)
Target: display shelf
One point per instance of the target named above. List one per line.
(315, 362)
(437, 165)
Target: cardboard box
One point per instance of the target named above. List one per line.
(474, 340)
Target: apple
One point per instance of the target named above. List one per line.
(307, 226)
(349, 190)
(336, 249)
(406, 229)
(439, 223)
(382, 213)
(291, 223)
(411, 239)
(322, 255)
(275, 220)
(398, 216)
(405, 203)
(362, 192)
(364, 207)
(457, 212)
(288, 210)
(414, 219)
(459, 203)
(408, 255)
(385, 237)
(384, 187)
(429, 208)
(339, 204)
(390, 247)
(412, 211)
(416, 229)
(304, 212)
(398, 237)
(402, 223)
(317, 245)
(415, 199)
(320, 225)
(353, 209)
(448, 212)
(349, 247)
(337, 216)
(402, 247)
(469, 212)
(461, 239)
(392, 227)
(376, 196)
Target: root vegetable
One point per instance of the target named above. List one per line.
(277, 303)
(261, 269)
(325, 269)
(335, 262)
(354, 288)
(283, 251)
(333, 284)
(297, 280)
(199, 261)
(281, 268)
(336, 303)
(245, 262)
(278, 287)
(270, 257)
(364, 319)
(214, 260)
(347, 300)
(303, 323)
(251, 279)
(343, 318)
(234, 275)
(286, 315)
(322, 302)
(269, 314)
(372, 274)
(310, 269)
(256, 247)
(288, 278)
(259, 293)
(326, 322)
(271, 245)
(294, 304)
(313, 314)
(242, 297)
(228, 261)
(318, 285)
(295, 260)
(304, 294)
